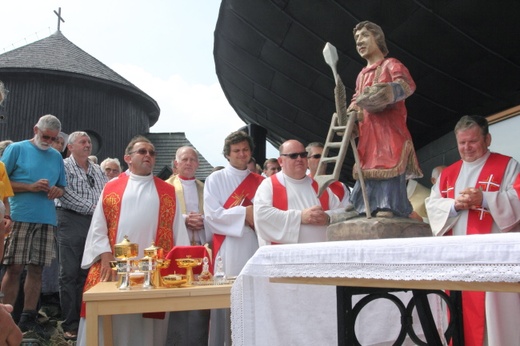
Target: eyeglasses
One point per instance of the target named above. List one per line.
(90, 180)
(294, 156)
(316, 156)
(108, 170)
(143, 151)
(46, 138)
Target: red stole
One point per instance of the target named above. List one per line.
(112, 198)
(480, 221)
(280, 196)
(337, 188)
(242, 196)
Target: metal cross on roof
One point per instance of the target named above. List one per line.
(59, 17)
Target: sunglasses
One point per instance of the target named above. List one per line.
(316, 156)
(90, 180)
(294, 156)
(45, 137)
(143, 151)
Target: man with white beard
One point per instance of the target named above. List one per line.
(37, 176)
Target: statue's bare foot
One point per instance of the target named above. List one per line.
(414, 215)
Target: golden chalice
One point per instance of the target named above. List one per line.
(188, 263)
(151, 264)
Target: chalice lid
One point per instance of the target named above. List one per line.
(152, 247)
(124, 242)
(154, 251)
(126, 249)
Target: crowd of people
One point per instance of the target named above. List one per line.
(62, 210)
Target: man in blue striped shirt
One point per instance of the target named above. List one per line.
(85, 182)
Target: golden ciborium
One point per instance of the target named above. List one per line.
(124, 252)
(188, 263)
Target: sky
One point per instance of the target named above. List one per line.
(163, 47)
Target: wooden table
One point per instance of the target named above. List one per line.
(106, 299)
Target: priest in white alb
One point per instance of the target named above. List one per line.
(143, 208)
(190, 328)
(287, 211)
(228, 207)
(475, 195)
(287, 208)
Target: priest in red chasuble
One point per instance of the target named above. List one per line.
(142, 207)
(476, 195)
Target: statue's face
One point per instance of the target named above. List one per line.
(366, 44)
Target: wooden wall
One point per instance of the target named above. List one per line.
(108, 112)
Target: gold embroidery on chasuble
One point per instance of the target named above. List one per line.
(166, 217)
(112, 209)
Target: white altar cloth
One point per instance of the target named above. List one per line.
(267, 313)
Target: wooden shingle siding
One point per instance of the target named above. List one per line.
(54, 76)
(166, 144)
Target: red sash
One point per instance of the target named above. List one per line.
(480, 221)
(337, 188)
(280, 194)
(242, 196)
(112, 197)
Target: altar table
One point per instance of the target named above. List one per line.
(106, 299)
(308, 312)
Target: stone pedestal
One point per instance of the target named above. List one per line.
(360, 227)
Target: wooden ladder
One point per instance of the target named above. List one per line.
(336, 142)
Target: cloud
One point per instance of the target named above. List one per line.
(201, 111)
(173, 65)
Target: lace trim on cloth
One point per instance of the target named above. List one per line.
(406, 272)
(486, 258)
(237, 316)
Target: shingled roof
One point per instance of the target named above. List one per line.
(55, 54)
(166, 144)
